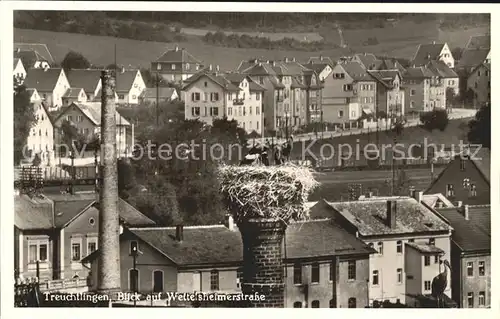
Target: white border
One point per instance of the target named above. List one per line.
(7, 281)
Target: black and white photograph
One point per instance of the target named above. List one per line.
(248, 158)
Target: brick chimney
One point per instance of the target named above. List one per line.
(391, 213)
(321, 58)
(179, 233)
(418, 196)
(466, 211)
(262, 261)
(108, 272)
(176, 48)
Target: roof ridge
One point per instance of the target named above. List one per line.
(174, 227)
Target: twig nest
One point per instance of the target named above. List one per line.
(270, 192)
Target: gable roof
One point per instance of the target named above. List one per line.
(317, 67)
(180, 55)
(129, 215)
(421, 72)
(469, 235)
(33, 213)
(440, 68)
(16, 61)
(320, 60)
(255, 87)
(431, 200)
(41, 79)
(72, 93)
(385, 76)
(163, 92)
(356, 71)
(479, 42)
(218, 79)
(368, 60)
(390, 64)
(41, 49)
(472, 57)
(92, 110)
(427, 52)
(66, 211)
(88, 79)
(125, 79)
(369, 216)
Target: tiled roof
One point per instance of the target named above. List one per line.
(259, 68)
(318, 67)
(356, 71)
(293, 67)
(129, 215)
(254, 86)
(42, 80)
(472, 57)
(72, 93)
(125, 79)
(427, 52)
(41, 49)
(479, 42)
(297, 84)
(321, 238)
(276, 83)
(218, 79)
(385, 77)
(418, 73)
(162, 92)
(425, 249)
(440, 68)
(235, 77)
(369, 216)
(482, 160)
(93, 111)
(66, 211)
(181, 56)
(33, 213)
(390, 64)
(368, 60)
(321, 60)
(86, 79)
(470, 235)
(432, 199)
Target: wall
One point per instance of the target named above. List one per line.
(19, 70)
(453, 83)
(475, 283)
(199, 87)
(61, 86)
(416, 101)
(367, 95)
(135, 91)
(334, 98)
(46, 268)
(437, 96)
(481, 78)
(413, 275)
(41, 137)
(252, 107)
(447, 57)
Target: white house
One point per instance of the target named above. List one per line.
(19, 70)
(51, 84)
(433, 52)
(41, 138)
(129, 86)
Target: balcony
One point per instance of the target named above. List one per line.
(238, 101)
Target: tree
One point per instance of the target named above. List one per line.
(480, 127)
(402, 183)
(24, 119)
(451, 97)
(436, 119)
(456, 53)
(75, 60)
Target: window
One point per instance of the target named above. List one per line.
(482, 298)
(133, 280)
(188, 66)
(470, 300)
(91, 245)
(250, 111)
(436, 259)
(470, 269)
(351, 303)
(195, 111)
(173, 66)
(351, 270)
(332, 303)
(332, 270)
(134, 246)
(38, 251)
(427, 260)
(229, 96)
(239, 277)
(76, 251)
(214, 111)
(413, 92)
(432, 241)
(315, 273)
(427, 285)
(297, 274)
(481, 268)
(214, 280)
(214, 97)
(257, 96)
(157, 281)
(341, 113)
(229, 111)
(353, 114)
(380, 247)
(158, 66)
(315, 304)
(475, 85)
(375, 278)
(297, 304)
(257, 110)
(347, 87)
(121, 96)
(450, 192)
(399, 272)
(479, 73)
(195, 96)
(473, 190)
(399, 247)
(244, 111)
(257, 125)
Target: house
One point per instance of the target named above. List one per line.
(51, 84)
(86, 117)
(479, 42)
(41, 50)
(322, 66)
(367, 60)
(161, 94)
(471, 58)
(390, 95)
(34, 96)
(424, 89)
(470, 254)
(213, 94)
(350, 92)
(19, 70)
(314, 95)
(466, 179)
(449, 76)
(58, 230)
(40, 140)
(176, 65)
(388, 225)
(87, 79)
(74, 95)
(390, 64)
(434, 51)
(129, 86)
(479, 82)
(209, 258)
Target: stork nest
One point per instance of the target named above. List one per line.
(267, 192)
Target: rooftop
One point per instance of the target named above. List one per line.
(479, 42)
(177, 54)
(427, 52)
(41, 49)
(44, 80)
(125, 79)
(93, 111)
(440, 68)
(72, 93)
(88, 79)
(356, 71)
(425, 249)
(321, 60)
(421, 72)
(431, 200)
(217, 78)
(368, 60)
(472, 57)
(163, 92)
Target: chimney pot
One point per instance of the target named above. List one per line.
(230, 222)
(274, 63)
(176, 48)
(466, 212)
(217, 68)
(321, 58)
(286, 60)
(459, 203)
(293, 59)
(391, 213)
(433, 42)
(179, 233)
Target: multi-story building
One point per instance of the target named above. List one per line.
(33, 55)
(51, 84)
(349, 92)
(176, 65)
(388, 225)
(470, 254)
(321, 66)
(56, 231)
(479, 81)
(129, 86)
(466, 179)
(448, 75)
(424, 89)
(314, 96)
(433, 52)
(19, 70)
(390, 95)
(87, 79)
(40, 141)
(367, 60)
(74, 95)
(209, 258)
(86, 117)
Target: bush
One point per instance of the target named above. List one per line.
(437, 119)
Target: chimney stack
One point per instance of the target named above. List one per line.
(321, 58)
(179, 233)
(293, 59)
(230, 222)
(459, 203)
(466, 212)
(391, 213)
(176, 48)
(108, 272)
(217, 68)
(286, 60)
(433, 42)
(274, 63)
(210, 67)
(413, 192)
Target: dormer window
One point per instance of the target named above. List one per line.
(473, 190)
(450, 192)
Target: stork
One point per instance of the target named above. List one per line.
(439, 283)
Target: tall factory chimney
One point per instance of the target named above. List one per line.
(108, 273)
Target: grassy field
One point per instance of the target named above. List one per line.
(273, 36)
(141, 53)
